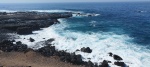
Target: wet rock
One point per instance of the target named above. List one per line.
(122, 64)
(104, 64)
(31, 39)
(88, 50)
(90, 64)
(50, 40)
(109, 61)
(24, 30)
(77, 50)
(110, 54)
(18, 43)
(76, 59)
(116, 57)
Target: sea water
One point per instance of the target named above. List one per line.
(120, 28)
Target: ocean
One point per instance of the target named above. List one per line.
(122, 28)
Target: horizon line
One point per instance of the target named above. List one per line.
(78, 2)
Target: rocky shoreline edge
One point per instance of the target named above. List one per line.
(23, 23)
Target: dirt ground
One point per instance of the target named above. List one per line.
(31, 58)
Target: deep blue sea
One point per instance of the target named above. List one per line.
(121, 25)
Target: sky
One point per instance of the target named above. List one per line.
(51, 1)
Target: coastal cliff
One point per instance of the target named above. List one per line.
(23, 23)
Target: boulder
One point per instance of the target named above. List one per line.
(31, 39)
(50, 40)
(116, 57)
(104, 64)
(122, 64)
(18, 43)
(90, 64)
(87, 50)
(110, 54)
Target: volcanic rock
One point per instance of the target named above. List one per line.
(122, 64)
(72, 58)
(24, 30)
(8, 46)
(90, 64)
(116, 57)
(88, 50)
(31, 39)
(47, 51)
(104, 64)
(110, 54)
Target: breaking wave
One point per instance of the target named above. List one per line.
(101, 44)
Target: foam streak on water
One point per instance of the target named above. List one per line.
(101, 44)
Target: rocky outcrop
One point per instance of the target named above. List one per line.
(47, 51)
(8, 46)
(18, 21)
(24, 30)
(64, 56)
(87, 50)
(34, 15)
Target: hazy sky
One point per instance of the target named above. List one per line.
(49, 1)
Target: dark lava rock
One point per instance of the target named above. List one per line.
(88, 50)
(47, 51)
(8, 46)
(110, 54)
(31, 40)
(64, 56)
(72, 58)
(19, 43)
(116, 57)
(24, 30)
(20, 48)
(122, 64)
(50, 40)
(77, 50)
(90, 64)
(104, 64)
(3, 13)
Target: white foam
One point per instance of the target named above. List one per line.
(52, 11)
(101, 44)
(9, 11)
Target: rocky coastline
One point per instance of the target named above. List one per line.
(23, 23)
